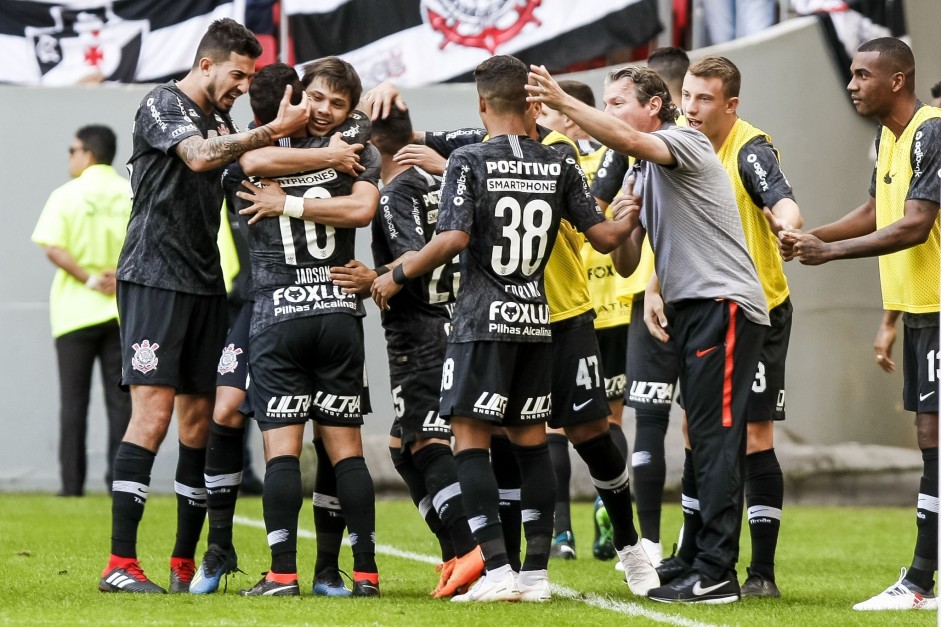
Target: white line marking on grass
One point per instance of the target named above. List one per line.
(594, 600)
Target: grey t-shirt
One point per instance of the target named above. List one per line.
(694, 226)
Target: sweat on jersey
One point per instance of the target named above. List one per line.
(509, 194)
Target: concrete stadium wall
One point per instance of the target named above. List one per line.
(790, 89)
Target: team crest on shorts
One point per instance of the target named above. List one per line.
(482, 23)
(145, 356)
(229, 360)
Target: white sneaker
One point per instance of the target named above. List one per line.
(534, 586)
(902, 595)
(639, 573)
(486, 590)
(654, 551)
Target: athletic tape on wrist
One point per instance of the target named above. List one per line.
(381, 270)
(398, 275)
(293, 207)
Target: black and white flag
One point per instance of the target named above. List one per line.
(128, 41)
(419, 42)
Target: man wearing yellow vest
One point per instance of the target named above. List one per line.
(899, 224)
(766, 205)
(82, 229)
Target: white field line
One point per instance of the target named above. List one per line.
(594, 600)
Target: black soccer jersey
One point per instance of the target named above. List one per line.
(418, 317)
(171, 236)
(610, 176)
(291, 258)
(761, 173)
(509, 194)
(446, 142)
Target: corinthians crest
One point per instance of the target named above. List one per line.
(145, 356)
(229, 360)
(479, 23)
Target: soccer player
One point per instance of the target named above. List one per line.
(611, 318)
(899, 224)
(501, 205)
(705, 271)
(225, 451)
(171, 294)
(766, 204)
(306, 338)
(416, 326)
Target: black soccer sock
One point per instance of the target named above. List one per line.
(329, 522)
(480, 495)
(437, 465)
(764, 496)
(507, 474)
(608, 470)
(190, 500)
(692, 518)
(358, 499)
(415, 482)
(619, 438)
(537, 502)
(925, 561)
(650, 469)
(132, 466)
(562, 465)
(223, 475)
(281, 501)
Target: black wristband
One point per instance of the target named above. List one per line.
(381, 270)
(398, 275)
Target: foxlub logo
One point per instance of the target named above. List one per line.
(480, 23)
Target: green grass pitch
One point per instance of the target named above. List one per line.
(53, 551)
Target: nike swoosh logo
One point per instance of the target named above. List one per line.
(698, 590)
(703, 352)
(922, 397)
(580, 406)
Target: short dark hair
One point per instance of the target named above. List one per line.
(721, 68)
(896, 55)
(936, 90)
(501, 81)
(669, 62)
(337, 74)
(647, 84)
(100, 141)
(392, 132)
(224, 37)
(580, 91)
(267, 89)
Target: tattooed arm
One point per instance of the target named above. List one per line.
(202, 155)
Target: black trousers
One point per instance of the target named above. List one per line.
(718, 350)
(76, 352)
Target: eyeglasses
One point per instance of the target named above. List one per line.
(74, 149)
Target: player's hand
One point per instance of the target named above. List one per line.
(774, 223)
(345, 157)
(543, 88)
(808, 249)
(107, 283)
(626, 205)
(291, 118)
(654, 316)
(383, 289)
(267, 200)
(786, 241)
(885, 338)
(422, 156)
(378, 101)
(354, 277)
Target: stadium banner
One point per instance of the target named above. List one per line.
(53, 43)
(420, 42)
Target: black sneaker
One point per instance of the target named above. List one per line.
(130, 578)
(364, 587)
(268, 588)
(698, 588)
(181, 574)
(757, 585)
(671, 568)
(217, 562)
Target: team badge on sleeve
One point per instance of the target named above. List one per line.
(145, 356)
(229, 360)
